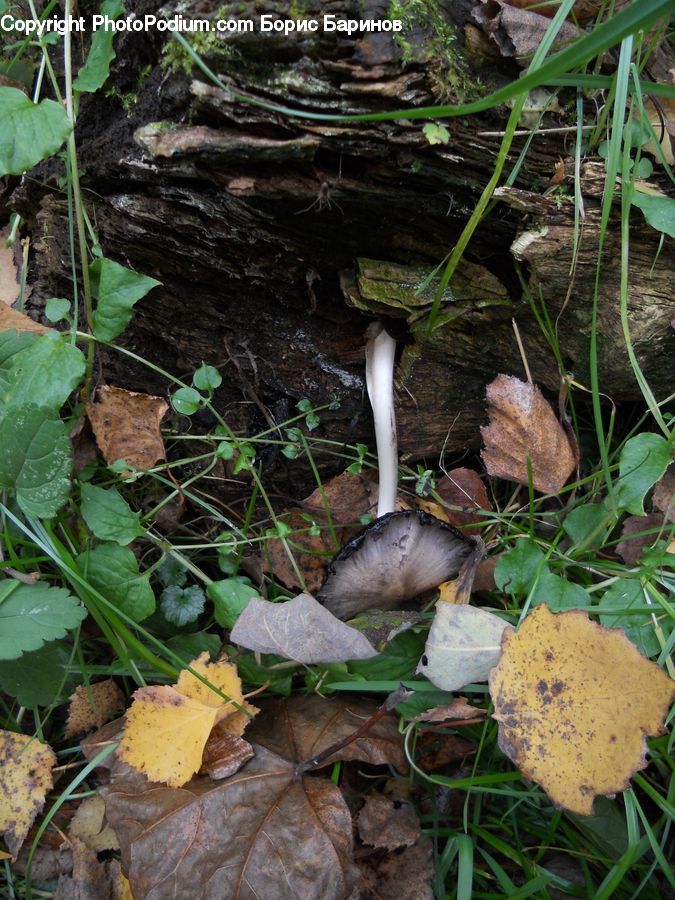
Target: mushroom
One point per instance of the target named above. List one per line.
(401, 554)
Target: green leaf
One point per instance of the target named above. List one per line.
(108, 515)
(35, 459)
(113, 571)
(658, 210)
(625, 594)
(558, 594)
(181, 605)
(278, 682)
(421, 701)
(172, 572)
(643, 461)
(516, 570)
(45, 373)
(94, 73)
(230, 598)
(189, 646)
(36, 677)
(12, 343)
(186, 401)
(436, 134)
(30, 131)
(31, 614)
(117, 290)
(207, 378)
(583, 521)
(224, 450)
(57, 309)
(398, 660)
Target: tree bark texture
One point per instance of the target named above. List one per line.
(277, 239)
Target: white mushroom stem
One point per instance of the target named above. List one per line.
(380, 351)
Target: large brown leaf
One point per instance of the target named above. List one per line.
(126, 426)
(265, 832)
(522, 424)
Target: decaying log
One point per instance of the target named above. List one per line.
(277, 239)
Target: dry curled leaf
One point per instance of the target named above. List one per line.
(457, 708)
(13, 319)
(224, 754)
(89, 879)
(519, 32)
(405, 875)
(26, 777)
(91, 706)
(462, 487)
(575, 701)
(268, 830)
(522, 425)
(300, 629)
(167, 726)
(126, 426)
(388, 823)
(89, 825)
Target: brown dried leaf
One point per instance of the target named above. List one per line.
(126, 426)
(664, 494)
(457, 708)
(93, 706)
(633, 540)
(293, 832)
(89, 880)
(406, 875)
(439, 751)
(519, 32)
(13, 319)
(463, 487)
(388, 823)
(300, 629)
(9, 276)
(224, 754)
(523, 424)
(574, 721)
(348, 497)
(89, 825)
(26, 777)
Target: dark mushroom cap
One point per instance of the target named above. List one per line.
(393, 560)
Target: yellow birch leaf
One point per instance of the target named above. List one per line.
(26, 765)
(222, 675)
(574, 702)
(165, 734)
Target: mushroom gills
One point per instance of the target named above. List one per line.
(398, 557)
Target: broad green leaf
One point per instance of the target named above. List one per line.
(643, 461)
(36, 677)
(464, 643)
(108, 515)
(606, 828)
(626, 594)
(30, 131)
(186, 401)
(117, 290)
(31, 614)
(517, 569)
(113, 571)
(12, 343)
(172, 571)
(189, 646)
(45, 373)
(35, 459)
(658, 210)
(94, 73)
(583, 520)
(181, 605)
(278, 681)
(57, 309)
(230, 597)
(558, 594)
(397, 660)
(207, 378)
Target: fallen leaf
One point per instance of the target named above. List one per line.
(126, 426)
(664, 494)
(224, 754)
(519, 32)
(89, 879)
(464, 643)
(388, 823)
(89, 825)
(9, 275)
(12, 319)
(26, 777)
(523, 424)
(458, 708)
(633, 538)
(92, 706)
(574, 701)
(406, 875)
(267, 831)
(167, 726)
(300, 629)
(348, 498)
(464, 488)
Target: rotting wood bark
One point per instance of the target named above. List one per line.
(277, 240)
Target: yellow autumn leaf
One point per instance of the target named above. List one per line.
(26, 765)
(167, 726)
(574, 702)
